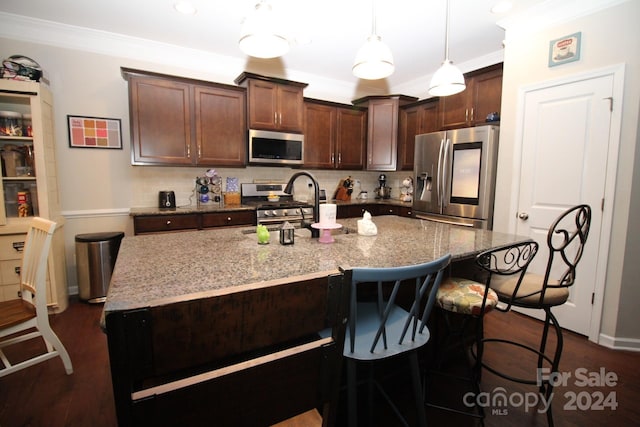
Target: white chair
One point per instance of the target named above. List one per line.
(27, 317)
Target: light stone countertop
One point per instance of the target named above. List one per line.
(158, 269)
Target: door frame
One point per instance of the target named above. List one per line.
(618, 72)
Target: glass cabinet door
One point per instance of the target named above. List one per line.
(19, 189)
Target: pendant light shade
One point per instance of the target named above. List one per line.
(448, 80)
(374, 59)
(260, 36)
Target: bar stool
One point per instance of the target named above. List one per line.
(381, 328)
(566, 238)
(472, 300)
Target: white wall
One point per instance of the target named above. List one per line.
(609, 37)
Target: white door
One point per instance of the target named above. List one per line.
(565, 143)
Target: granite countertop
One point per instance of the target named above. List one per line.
(159, 269)
(194, 209)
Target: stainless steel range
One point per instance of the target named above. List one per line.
(273, 205)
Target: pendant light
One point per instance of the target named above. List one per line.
(374, 59)
(260, 36)
(448, 80)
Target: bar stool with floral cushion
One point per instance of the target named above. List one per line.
(462, 300)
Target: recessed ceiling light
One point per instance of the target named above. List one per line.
(501, 7)
(185, 8)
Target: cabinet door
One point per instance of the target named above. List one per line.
(471, 106)
(160, 121)
(290, 108)
(414, 121)
(263, 105)
(382, 141)
(220, 126)
(454, 109)
(487, 95)
(351, 138)
(319, 135)
(165, 223)
(228, 219)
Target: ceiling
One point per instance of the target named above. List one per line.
(329, 32)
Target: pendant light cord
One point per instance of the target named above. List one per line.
(446, 34)
(373, 18)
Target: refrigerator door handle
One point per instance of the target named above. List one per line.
(439, 187)
(445, 173)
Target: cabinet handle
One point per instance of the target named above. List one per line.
(188, 151)
(339, 158)
(466, 114)
(199, 150)
(333, 158)
(275, 117)
(168, 222)
(17, 270)
(228, 219)
(18, 246)
(471, 113)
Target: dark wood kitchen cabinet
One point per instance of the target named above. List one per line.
(228, 219)
(144, 224)
(470, 107)
(382, 129)
(415, 119)
(335, 135)
(166, 223)
(273, 104)
(177, 121)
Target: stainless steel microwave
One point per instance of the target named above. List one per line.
(275, 147)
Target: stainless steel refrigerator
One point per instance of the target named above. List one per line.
(455, 176)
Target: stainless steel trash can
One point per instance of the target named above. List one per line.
(96, 255)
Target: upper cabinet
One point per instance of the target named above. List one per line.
(382, 129)
(177, 121)
(470, 107)
(274, 104)
(335, 135)
(415, 119)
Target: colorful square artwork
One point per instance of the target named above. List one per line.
(94, 132)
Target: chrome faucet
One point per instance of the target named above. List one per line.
(316, 204)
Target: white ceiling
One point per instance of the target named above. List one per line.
(413, 29)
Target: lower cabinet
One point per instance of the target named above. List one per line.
(395, 210)
(165, 223)
(144, 224)
(228, 219)
(353, 211)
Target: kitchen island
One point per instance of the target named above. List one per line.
(180, 301)
(163, 268)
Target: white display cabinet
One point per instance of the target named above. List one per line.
(29, 165)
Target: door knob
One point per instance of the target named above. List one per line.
(523, 216)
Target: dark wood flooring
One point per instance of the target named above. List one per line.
(44, 396)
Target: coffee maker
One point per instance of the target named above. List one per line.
(382, 192)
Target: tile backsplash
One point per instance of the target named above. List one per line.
(149, 180)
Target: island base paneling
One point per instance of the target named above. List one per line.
(167, 362)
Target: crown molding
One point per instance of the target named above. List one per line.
(22, 28)
(551, 13)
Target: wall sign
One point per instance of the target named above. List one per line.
(94, 132)
(565, 49)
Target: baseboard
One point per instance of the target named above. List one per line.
(615, 343)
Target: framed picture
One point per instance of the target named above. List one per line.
(94, 132)
(565, 49)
